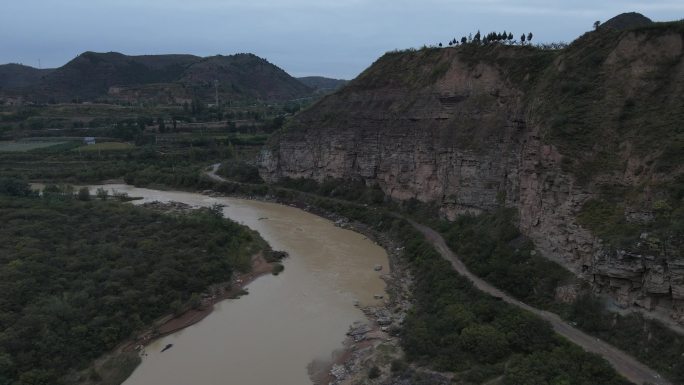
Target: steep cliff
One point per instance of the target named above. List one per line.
(586, 142)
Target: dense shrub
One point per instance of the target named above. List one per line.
(494, 249)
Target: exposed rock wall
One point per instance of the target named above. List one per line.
(441, 127)
(414, 143)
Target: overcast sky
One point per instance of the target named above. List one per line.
(335, 38)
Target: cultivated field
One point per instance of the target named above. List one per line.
(106, 146)
(13, 146)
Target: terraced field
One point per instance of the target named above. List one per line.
(14, 146)
(107, 146)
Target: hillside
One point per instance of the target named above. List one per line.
(626, 21)
(584, 142)
(244, 75)
(18, 75)
(322, 84)
(169, 79)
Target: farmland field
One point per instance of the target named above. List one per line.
(107, 146)
(12, 146)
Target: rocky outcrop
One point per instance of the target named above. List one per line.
(471, 128)
(403, 139)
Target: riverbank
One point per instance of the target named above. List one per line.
(217, 293)
(115, 367)
(371, 344)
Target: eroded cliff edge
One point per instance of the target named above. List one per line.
(586, 142)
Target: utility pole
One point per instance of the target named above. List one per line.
(38, 63)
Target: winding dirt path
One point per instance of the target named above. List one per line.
(211, 173)
(623, 363)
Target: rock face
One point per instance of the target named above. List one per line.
(471, 128)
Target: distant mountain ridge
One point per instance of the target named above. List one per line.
(14, 75)
(113, 76)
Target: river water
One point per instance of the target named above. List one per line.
(271, 335)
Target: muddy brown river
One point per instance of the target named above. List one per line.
(287, 321)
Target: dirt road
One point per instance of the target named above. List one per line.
(623, 363)
(211, 173)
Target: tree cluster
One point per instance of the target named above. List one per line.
(491, 38)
